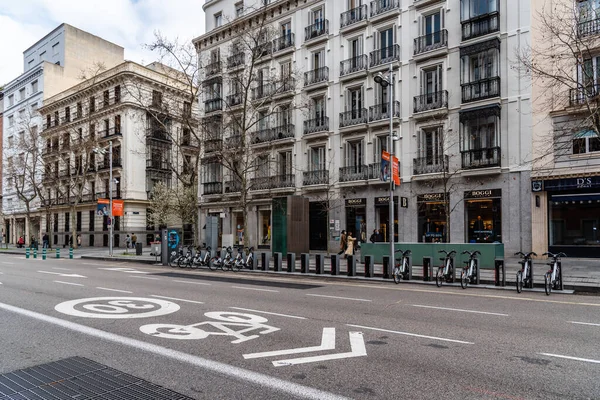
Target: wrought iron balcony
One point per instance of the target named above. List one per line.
(236, 60)
(233, 186)
(234, 99)
(353, 64)
(353, 16)
(111, 132)
(116, 163)
(480, 158)
(260, 183)
(263, 49)
(479, 90)
(319, 177)
(213, 68)
(431, 41)
(582, 95)
(262, 91)
(273, 182)
(105, 195)
(382, 6)
(283, 42)
(385, 55)
(374, 171)
(235, 141)
(431, 101)
(319, 124)
(213, 145)
(213, 188)
(381, 111)
(285, 84)
(316, 75)
(430, 165)
(354, 173)
(353, 117)
(317, 29)
(587, 28)
(213, 105)
(480, 25)
(162, 165)
(158, 133)
(272, 134)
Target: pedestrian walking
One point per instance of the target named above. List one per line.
(45, 241)
(343, 243)
(133, 240)
(78, 241)
(128, 241)
(350, 248)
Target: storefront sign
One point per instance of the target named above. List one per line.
(590, 182)
(384, 200)
(404, 202)
(356, 202)
(430, 197)
(479, 194)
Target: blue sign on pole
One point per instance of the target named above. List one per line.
(173, 239)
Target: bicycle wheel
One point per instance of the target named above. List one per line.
(236, 266)
(224, 266)
(396, 274)
(211, 265)
(548, 283)
(519, 281)
(181, 263)
(439, 276)
(464, 278)
(173, 261)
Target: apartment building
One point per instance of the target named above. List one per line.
(52, 64)
(144, 113)
(566, 143)
(460, 113)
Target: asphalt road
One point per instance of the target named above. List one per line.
(363, 340)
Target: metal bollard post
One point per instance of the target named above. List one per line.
(264, 265)
(351, 269)
(57, 252)
(427, 269)
(277, 262)
(319, 264)
(70, 252)
(369, 268)
(387, 267)
(34, 252)
(44, 253)
(559, 284)
(291, 262)
(335, 264)
(477, 271)
(499, 278)
(27, 252)
(410, 276)
(305, 263)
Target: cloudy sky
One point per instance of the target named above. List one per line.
(128, 23)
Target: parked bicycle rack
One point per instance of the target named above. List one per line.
(351, 270)
(499, 272)
(369, 267)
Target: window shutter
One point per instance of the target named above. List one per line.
(346, 154)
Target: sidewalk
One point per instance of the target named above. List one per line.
(579, 274)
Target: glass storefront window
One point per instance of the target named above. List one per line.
(575, 220)
(483, 216)
(264, 228)
(356, 218)
(382, 216)
(239, 229)
(432, 218)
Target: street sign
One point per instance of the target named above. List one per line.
(404, 202)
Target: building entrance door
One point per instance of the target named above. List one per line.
(317, 225)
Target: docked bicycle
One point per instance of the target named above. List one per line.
(524, 274)
(446, 271)
(552, 277)
(469, 272)
(401, 268)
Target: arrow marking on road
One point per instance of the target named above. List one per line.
(65, 275)
(357, 345)
(327, 343)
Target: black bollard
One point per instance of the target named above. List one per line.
(427, 268)
(305, 263)
(291, 262)
(499, 276)
(351, 271)
(559, 285)
(277, 262)
(319, 264)
(387, 268)
(335, 264)
(264, 261)
(369, 270)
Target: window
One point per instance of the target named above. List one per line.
(318, 109)
(22, 94)
(67, 114)
(22, 114)
(117, 124)
(386, 40)
(11, 120)
(356, 48)
(34, 107)
(48, 121)
(187, 109)
(55, 49)
(317, 16)
(11, 141)
(56, 118)
(285, 164)
(239, 9)
(431, 27)
(586, 142)
(106, 97)
(431, 82)
(354, 156)
(80, 133)
(218, 20)
(474, 8)
(286, 29)
(92, 130)
(92, 104)
(11, 100)
(106, 127)
(42, 56)
(262, 166)
(67, 222)
(156, 98)
(285, 70)
(79, 110)
(430, 147)
(30, 63)
(354, 101)
(380, 144)
(91, 218)
(480, 141)
(318, 59)
(117, 93)
(316, 158)
(34, 87)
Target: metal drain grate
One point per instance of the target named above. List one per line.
(78, 378)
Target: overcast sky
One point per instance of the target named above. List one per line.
(128, 23)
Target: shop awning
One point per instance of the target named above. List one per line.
(576, 197)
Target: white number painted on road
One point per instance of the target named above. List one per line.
(230, 320)
(117, 307)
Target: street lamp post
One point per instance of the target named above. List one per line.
(388, 82)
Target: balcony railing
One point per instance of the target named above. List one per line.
(383, 6)
(162, 165)
(213, 68)
(273, 182)
(234, 99)
(374, 171)
(262, 91)
(582, 95)
(381, 111)
(235, 60)
(264, 49)
(283, 42)
(317, 29)
(353, 64)
(319, 177)
(353, 16)
(111, 132)
(316, 75)
(105, 195)
(213, 105)
(431, 41)
(116, 163)
(213, 188)
(319, 124)
(481, 158)
(480, 25)
(233, 186)
(431, 101)
(479, 90)
(234, 141)
(213, 145)
(385, 55)
(158, 133)
(285, 84)
(587, 28)
(353, 117)
(430, 165)
(271, 134)
(354, 173)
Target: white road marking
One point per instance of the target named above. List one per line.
(114, 290)
(411, 334)
(1, 273)
(175, 298)
(337, 297)
(266, 312)
(461, 310)
(144, 277)
(583, 323)
(357, 346)
(258, 290)
(61, 269)
(194, 283)
(127, 270)
(327, 343)
(117, 307)
(69, 283)
(288, 389)
(0, 283)
(571, 358)
(9, 263)
(65, 275)
(94, 264)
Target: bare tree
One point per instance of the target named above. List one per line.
(161, 205)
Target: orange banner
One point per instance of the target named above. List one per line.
(117, 207)
(396, 170)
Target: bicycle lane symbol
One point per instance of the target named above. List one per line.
(225, 325)
(116, 307)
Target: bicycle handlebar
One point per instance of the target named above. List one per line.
(471, 253)
(446, 252)
(555, 256)
(523, 255)
(404, 253)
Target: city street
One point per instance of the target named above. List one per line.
(225, 335)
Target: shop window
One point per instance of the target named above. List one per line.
(432, 208)
(264, 228)
(483, 215)
(574, 220)
(356, 218)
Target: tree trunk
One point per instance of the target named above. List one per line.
(73, 238)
